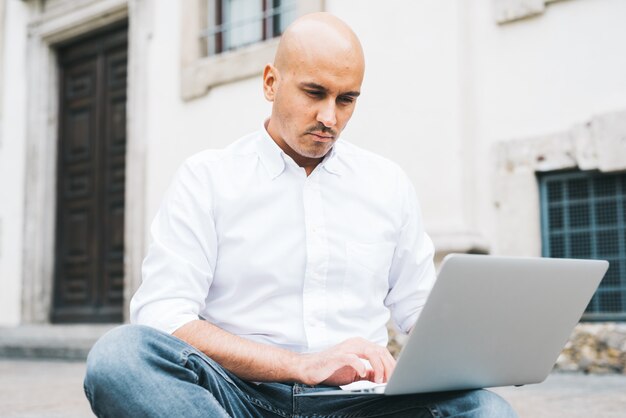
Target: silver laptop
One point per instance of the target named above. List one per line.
(491, 321)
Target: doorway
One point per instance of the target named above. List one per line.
(91, 172)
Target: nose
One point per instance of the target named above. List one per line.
(327, 114)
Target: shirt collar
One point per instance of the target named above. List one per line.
(272, 156)
(331, 162)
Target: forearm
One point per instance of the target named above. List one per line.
(246, 359)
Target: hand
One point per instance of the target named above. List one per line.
(341, 364)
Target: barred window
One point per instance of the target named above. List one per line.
(233, 24)
(583, 215)
(224, 41)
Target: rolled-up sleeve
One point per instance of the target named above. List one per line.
(178, 269)
(412, 272)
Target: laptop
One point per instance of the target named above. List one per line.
(490, 321)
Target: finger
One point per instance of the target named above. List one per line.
(355, 362)
(375, 359)
(390, 364)
(388, 361)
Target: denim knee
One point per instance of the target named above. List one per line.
(139, 371)
(492, 405)
(113, 358)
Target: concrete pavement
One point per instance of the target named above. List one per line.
(570, 395)
(53, 389)
(38, 389)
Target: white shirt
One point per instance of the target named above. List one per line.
(245, 240)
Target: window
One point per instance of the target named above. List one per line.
(583, 215)
(511, 10)
(223, 41)
(233, 24)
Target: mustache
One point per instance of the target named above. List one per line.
(321, 128)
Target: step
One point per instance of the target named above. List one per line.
(47, 341)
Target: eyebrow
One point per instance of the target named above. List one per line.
(316, 86)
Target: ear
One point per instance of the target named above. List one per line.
(270, 81)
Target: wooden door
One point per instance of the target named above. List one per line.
(88, 284)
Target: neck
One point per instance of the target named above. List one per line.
(308, 163)
(309, 168)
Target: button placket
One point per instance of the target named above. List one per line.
(314, 297)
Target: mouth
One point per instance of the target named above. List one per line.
(319, 137)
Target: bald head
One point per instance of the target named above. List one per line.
(319, 36)
(313, 86)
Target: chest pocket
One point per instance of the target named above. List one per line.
(366, 281)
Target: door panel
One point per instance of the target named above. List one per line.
(88, 285)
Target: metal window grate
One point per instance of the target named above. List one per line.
(583, 215)
(234, 24)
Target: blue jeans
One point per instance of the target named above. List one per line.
(137, 371)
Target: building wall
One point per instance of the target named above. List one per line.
(409, 110)
(445, 85)
(178, 128)
(534, 78)
(12, 159)
(411, 106)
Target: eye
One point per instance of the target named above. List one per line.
(345, 99)
(315, 93)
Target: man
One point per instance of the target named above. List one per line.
(277, 263)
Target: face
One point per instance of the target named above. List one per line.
(312, 103)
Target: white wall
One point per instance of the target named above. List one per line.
(178, 129)
(443, 84)
(12, 159)
(409, 109)
(540, 76)
(387, 119)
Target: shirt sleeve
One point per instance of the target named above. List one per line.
(412, 272)
(178, 269)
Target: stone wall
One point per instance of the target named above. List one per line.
(592, 348)
(595, 348)
(396, 341)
